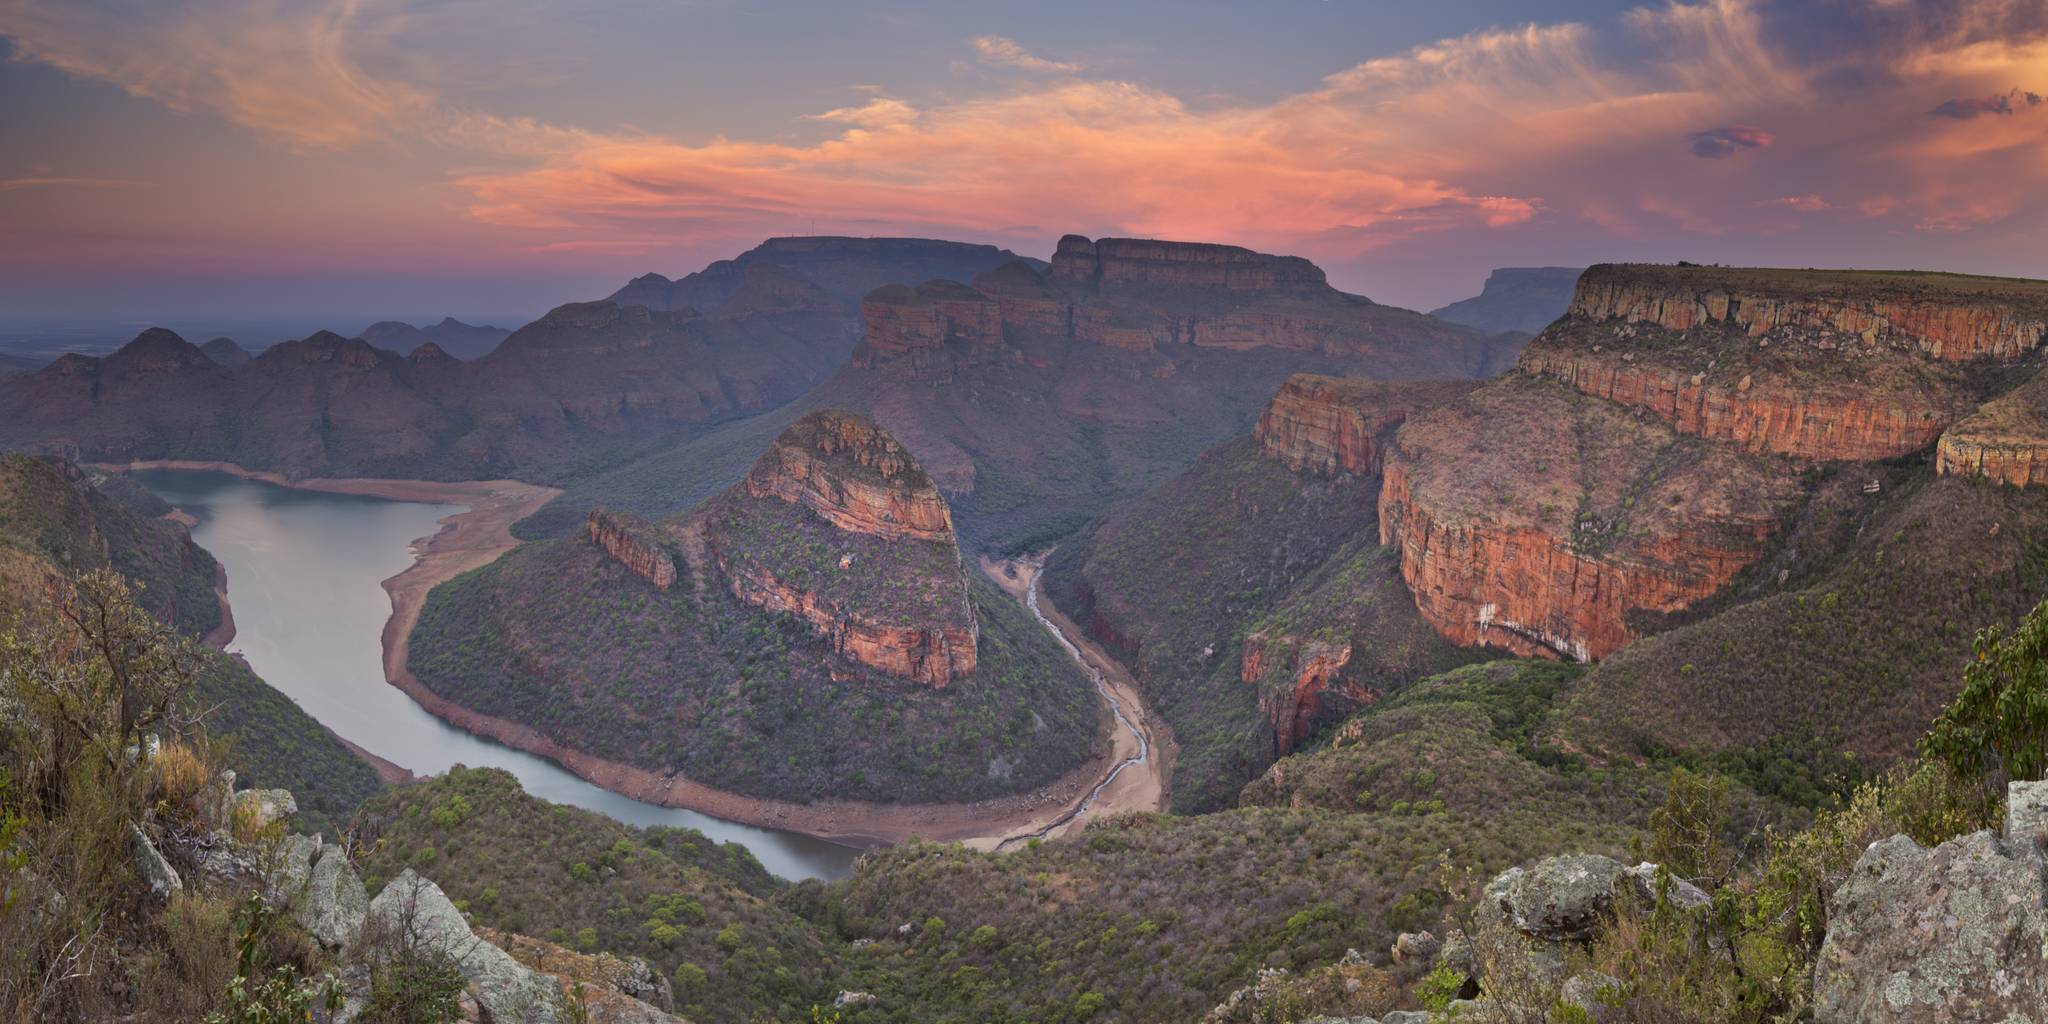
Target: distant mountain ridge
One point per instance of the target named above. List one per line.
(458, 339)
(845, 267)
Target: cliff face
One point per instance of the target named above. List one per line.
(2006, 440)
(1315, 670)
(1946, 316)
(1147, 262)
(635, 543)
(1544, 522)
(1332, 425)
(838, 525)
(852, 474)
(928, 332)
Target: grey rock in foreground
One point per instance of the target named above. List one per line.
(1957, 933)
(505, 989)
(162, 877)
(334, 904)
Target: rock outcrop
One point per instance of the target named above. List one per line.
(928, 332)
(1316, 668)
(1955, 933)
(505, 989)
(635, 543)
(839, 526)
(1332, 425)
(333, 905)
(1534, 519)
(1946, 316)
(1150, 262)
(2006, 440)
(852, 474)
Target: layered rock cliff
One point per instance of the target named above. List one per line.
(928, 332)
(1539, 520)
(1950, 317)
(635, 543)
(1332, 425)
(839, 526)
(1315, 668)
(2005, 440)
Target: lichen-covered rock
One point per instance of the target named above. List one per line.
(504, 988)
(1563, 898)
(1956, 933)
(261, 807)
(334, 902)
(1415, 946)
(291, 867)
(2026, 812)
(162, 877)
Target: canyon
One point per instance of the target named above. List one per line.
(1332, 425)
(2006, 440)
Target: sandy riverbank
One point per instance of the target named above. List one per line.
(475, 538)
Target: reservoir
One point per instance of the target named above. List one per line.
(305, 572)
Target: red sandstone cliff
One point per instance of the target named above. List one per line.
(839, 526)
(635, 543)
(2006, 440)
(1316, 669)
(928, 332)
(1544, 522)
(854, 475)
(1332, 425)
(1946, 316)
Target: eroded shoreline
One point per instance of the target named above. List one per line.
(477, 536)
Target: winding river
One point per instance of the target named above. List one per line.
(305, 570)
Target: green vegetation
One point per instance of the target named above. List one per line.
(562, 638)
(1175, 579)
(701, 912)
(272, 743)
(904, 581)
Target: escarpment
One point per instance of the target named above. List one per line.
(839, 526)
(2006, 440)
(1530, 517)
(1332, 425)
(636, 543)
(1950, 317)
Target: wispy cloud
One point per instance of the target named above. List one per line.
(1006, 53)
(16, 184)
(1967, 108)
(1720, 143)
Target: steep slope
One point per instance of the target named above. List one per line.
(810, 634)
(458, 339)
(2005, 440)
(1521, 299)
(1249, 594)
(1035, 398)
(671, 896)
(1652, 441)
(58, 519)
(847, 268)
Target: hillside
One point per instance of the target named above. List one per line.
(57, 518)
(458, 339)
(846, 268)
(811, 634)
(1037, 397)
(1248, 594)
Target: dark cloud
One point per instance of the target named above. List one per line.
(1965, 108)
(1716, 143)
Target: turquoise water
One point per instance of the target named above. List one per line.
(305, 570)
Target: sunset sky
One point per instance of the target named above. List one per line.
(486, 157)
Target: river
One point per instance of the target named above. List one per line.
(305, 572)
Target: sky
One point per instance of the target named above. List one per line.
(358, 159)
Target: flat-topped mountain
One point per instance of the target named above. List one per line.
(846, 268)
(811, 632)
(1520, 299)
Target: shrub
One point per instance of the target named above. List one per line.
(1996, 731)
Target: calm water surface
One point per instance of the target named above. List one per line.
(304, 577)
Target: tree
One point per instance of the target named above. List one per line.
(90, 680)
(1997, 730)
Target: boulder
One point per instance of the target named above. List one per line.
(292, 866)
(1596, 994)
(2026, 812)
(1558, 899)
(1682, 894)
(162, 877)
(505, 989)
(261, 807)
(1415, 946)
(1956, 933)
(333, 904)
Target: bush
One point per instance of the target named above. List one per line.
(1997, 730)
